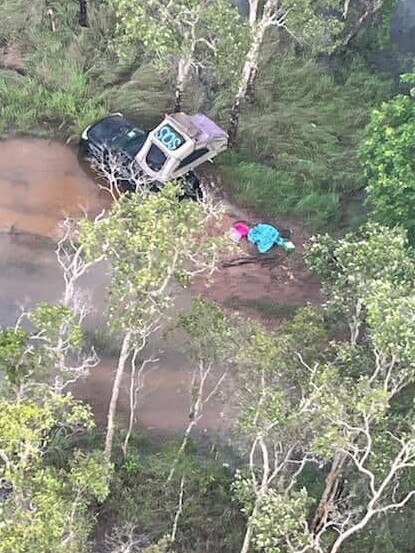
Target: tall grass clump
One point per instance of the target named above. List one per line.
(301, 134)
(277, 193)
(308, 121)
(55, 93)
(29, 105)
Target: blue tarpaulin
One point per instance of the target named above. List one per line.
(265, 237)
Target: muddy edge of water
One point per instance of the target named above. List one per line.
(40, 182)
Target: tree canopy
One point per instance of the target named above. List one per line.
(387, 155)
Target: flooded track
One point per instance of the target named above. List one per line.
(40, 183)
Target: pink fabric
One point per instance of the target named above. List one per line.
(241, 228)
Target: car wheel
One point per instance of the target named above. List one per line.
(192, 189)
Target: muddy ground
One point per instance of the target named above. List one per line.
(40, 183)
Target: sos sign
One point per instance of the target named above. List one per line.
(170, 138)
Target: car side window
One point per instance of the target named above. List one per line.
(193, 157)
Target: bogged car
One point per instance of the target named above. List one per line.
(169, 152)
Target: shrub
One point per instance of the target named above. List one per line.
(140, 496)
(387, 154)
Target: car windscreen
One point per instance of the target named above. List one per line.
(155, 158)
(109, 129)
(130, 142)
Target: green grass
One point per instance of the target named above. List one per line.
(307, 121)
(300, 136)
(28, 105)
(56, 95)
(275, 193)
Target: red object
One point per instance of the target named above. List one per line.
(242, 229)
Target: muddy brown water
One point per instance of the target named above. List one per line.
(40, 182)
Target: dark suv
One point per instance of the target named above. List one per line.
(168, 152)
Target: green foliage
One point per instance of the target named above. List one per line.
(387, 156)
(316, 25)
(352, 267)
(304, 126)
(209, 331)
(391, 313)
(29, 360)
(369, 281)
(261, 362)
(149, 240)
(146, 95)
(281, 520)
(17, 360)
(300, 394)
(308, 122)
(90, 474)
(56, 321)
(141, 496)
(194, 30)
(46, 508)
(275, 193)
(19, 19)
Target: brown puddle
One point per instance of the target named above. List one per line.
(41, 182)
(164, 401)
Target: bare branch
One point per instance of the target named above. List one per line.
(178, 511)
(198, 401)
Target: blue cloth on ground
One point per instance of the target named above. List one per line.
(265, 237)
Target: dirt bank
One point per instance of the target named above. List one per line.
(265, 287)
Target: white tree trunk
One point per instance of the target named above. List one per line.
(136, 384)
(246, 82)
(183, 71)
(125, 352)
(249, 530)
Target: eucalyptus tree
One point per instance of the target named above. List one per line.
(154, 244)
(185, 35)
(45, 500)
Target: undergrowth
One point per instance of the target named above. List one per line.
(55, 94)
(209, 521)
(300, 136)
